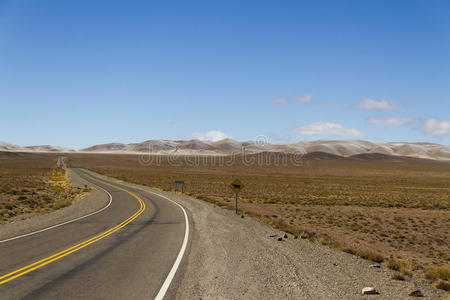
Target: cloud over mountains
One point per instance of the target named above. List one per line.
(327, 128)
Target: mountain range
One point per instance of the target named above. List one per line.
(343, 148)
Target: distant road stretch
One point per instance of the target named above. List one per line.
(131, 250)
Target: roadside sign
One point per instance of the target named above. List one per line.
(181, 183)
(236, 186)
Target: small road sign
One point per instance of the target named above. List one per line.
(236, 186)
(181, 183)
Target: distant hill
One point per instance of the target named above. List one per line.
(40, 148)
(106, 147)
(320, 149)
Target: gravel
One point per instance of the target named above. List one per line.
(91, 202)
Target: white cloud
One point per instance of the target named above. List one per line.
(329, 129)
(212, 135)
(279, 101)
(391, 121)
(436, 127)
(371, 104)
(433, 127)
(306, 98)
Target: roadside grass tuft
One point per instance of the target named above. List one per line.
(372, 256)
(438, 273)
(61, 203)
(398, 276)
(442, 285)
(404, 267)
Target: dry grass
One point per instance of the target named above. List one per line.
(395, 211)
(403, 267)
(398, 276)
(385, 211)
(438, 273)
(443, 285)
(381, 210)
(31, 184)
(440, 278)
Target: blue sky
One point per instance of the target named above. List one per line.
(80, 73)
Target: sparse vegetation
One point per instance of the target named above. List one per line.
(403, 267)
(440, 277)
(443, 285)
(372, 256)
(398, 276)
(396, 212)
(61, 204)
(31, 184)
(438, 273)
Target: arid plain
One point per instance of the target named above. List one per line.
(391, 210)
(394, 210)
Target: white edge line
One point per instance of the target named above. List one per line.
(64, 223)
(165, 286)
(176, 264)
(163, 290)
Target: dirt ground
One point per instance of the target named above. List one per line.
(31, 184)
(398, 209)
(387, 210)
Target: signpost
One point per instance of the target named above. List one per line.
(236, 186)
(179, 182)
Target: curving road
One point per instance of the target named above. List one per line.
(131, 250)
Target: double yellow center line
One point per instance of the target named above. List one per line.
(40, 263)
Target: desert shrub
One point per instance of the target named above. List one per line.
(323, 240)
(438, 273)
(372, 256)
(306, 234)
(443, 285)
(404, 267)
(61, 204)
(9, 206)
(204, 198)
(369, 255)
(349, 250)
(56, 189)
(398, 276)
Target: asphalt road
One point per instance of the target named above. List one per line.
(135, 247)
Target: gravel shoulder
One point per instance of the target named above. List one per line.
(234, 258)
(91, 202)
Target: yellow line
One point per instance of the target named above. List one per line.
(38, 264)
